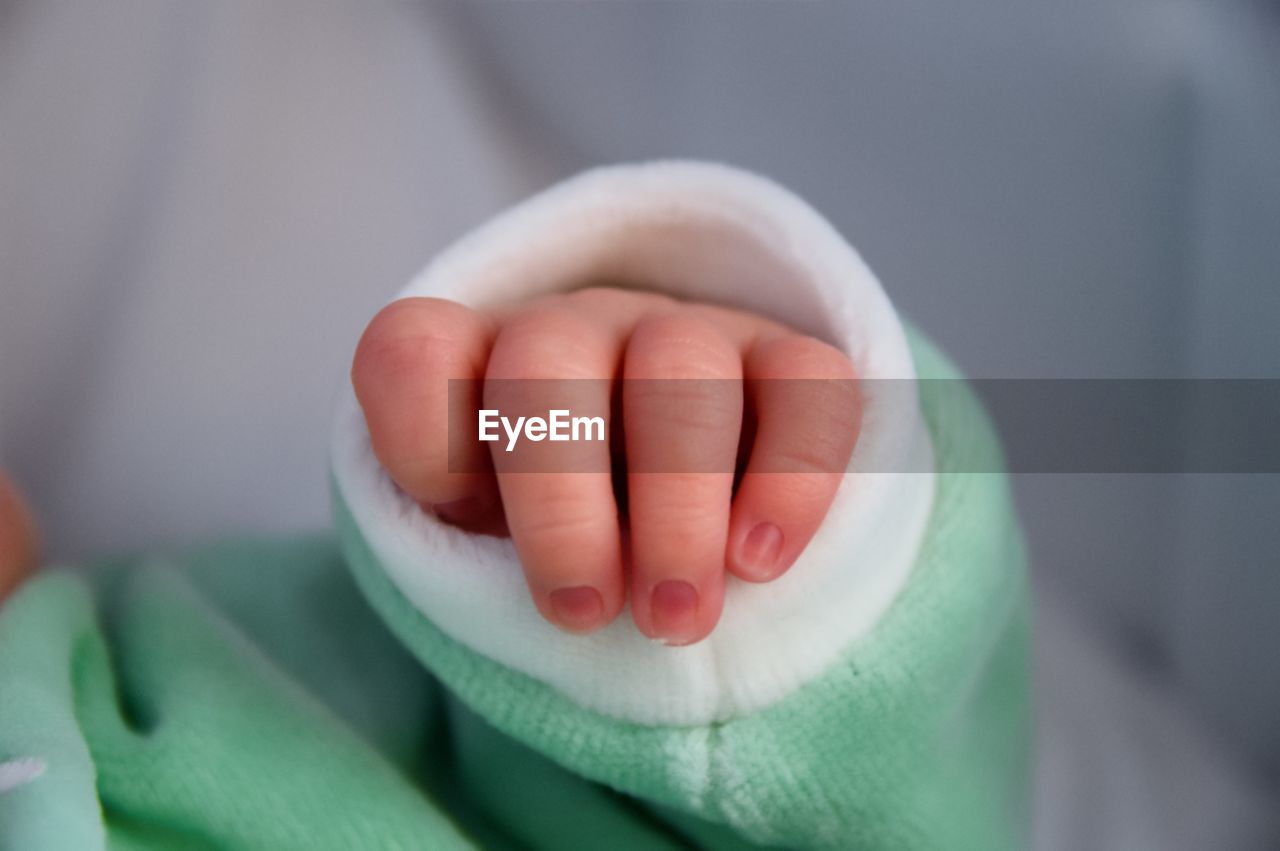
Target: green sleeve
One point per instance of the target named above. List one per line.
(260, 695)
(916, 738)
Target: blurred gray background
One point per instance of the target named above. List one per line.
(201, 204)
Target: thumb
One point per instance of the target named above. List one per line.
(19, 545)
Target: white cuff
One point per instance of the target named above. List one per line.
(700, 232)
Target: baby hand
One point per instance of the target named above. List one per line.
(661, 510)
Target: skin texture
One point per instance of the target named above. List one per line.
(19, 546)
(700, 477)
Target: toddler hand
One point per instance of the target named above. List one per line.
(659, 509)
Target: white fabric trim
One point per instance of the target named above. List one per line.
(701, 232)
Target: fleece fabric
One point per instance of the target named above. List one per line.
(291, 694)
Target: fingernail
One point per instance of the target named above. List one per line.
(758, 555)
(674, 610)
(459, 511)
(579, 609)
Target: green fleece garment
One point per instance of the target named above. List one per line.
(284, 695)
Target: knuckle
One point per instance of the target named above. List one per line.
(397, 359)
(682, 424)
(830, 407)
(692, 509)
(671, 345)
(563, 518)
(803, 494)
(409, 317)
(548, 342)
(686, 497)
(804, 357)
(411, 335)
(816, 453)
(810, 444)
(693, 402)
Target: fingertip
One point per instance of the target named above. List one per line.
(774, 517)
(579, 600)
(578, 609)
(678, 611)
(674, 606)
(756, 551)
